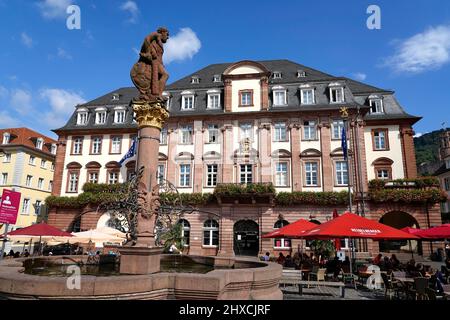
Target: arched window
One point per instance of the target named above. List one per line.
(281, 243)
(211, 233)
(185, 231)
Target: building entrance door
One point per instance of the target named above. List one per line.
(246, 238)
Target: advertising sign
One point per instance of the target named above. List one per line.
(9, 206)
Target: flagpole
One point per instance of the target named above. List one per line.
(344, 115)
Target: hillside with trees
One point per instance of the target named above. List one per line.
(427, 152)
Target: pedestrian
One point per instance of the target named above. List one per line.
(267, 256)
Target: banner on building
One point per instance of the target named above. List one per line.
(9, 206)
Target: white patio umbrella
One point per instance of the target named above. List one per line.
(95, 236)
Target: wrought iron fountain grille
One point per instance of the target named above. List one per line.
(125, 210)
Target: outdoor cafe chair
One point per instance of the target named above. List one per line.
(319, 275)
(393, 287)
(420, 286)
(349, 277)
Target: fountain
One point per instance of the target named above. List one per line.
(143, 272)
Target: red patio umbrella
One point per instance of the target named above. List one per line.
(439, 232)
(350, 225)
(292, 230)
(40, 230)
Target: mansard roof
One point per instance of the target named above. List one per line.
(356, 94)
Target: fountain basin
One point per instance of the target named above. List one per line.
(248, 280)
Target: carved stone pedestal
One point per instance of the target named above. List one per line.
(140, 260)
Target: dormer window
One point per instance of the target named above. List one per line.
(119, 115)
(279, 96)
(213, 99)
(301, 74)
(277, 75)
(6, 138)
(336, 93)
(82, 117)
(217, 78)
(307, 94)
(376, 104)
(195, 80)
(100, 116)
(187, 101)
(115, 97)
(39, 143)
(53, 148)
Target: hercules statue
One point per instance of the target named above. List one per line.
(148, 74)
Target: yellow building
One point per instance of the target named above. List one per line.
(27, 163)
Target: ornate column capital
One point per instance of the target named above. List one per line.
(150, 114)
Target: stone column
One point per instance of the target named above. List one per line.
(198, 156)
(59, 165)
(227, 153)
(265, 151)
(150, 118)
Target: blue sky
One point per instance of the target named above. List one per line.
(47, 68)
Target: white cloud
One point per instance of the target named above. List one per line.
(7, 121)
(21, 101)
(136, 51)
(62, 103)
(132, 9)
(422, 52)
(184, 45)
(27, 41)
(359, 76)
(63, 54)
(54, 9)
(3, 92)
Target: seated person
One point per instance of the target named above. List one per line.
(420, 270)
(447, 262)
(267, 256)
(289, 262)
(281, 259)
(395, 263)
(377, 259)
(385, 265)
(411, 267)
(297, 261)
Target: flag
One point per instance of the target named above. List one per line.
(130, 152)
(344, 142)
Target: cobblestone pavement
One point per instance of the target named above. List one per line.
(331, 293)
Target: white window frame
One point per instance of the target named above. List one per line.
(82, 118)
(161, 173)
(73, 181)
(383, 177)
(379, 108)
(339, 88)
(6, 138)
(43, 164)
(100, 116)
(341, 173)
(185, 175)
(25, 206)
(281, 174)
(185, 95)
(53, 149)
(29, 181)
(39, 143)
(40, 184)
(77, 145)
(339, 124)
(310, 129)
(4, 178)
(37, 207)
(245, 173)
(246, 102)
(246, 131)
(212, 174)
(211, 228)
(378, 139)
(32, 160)
(50, 185)
(97, 145)
(52, 166)
(120, 115)
(7, 158)
(113, 177)
(280, 131)
(213, 131)
(93, 177)
(311, 172)
(186, 134)
(302, 95)
(277, 75)
(213, 97)
(116, 143)
(163, 136)
(217, 78)
(276, 100)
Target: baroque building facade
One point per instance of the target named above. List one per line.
(248, 122)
